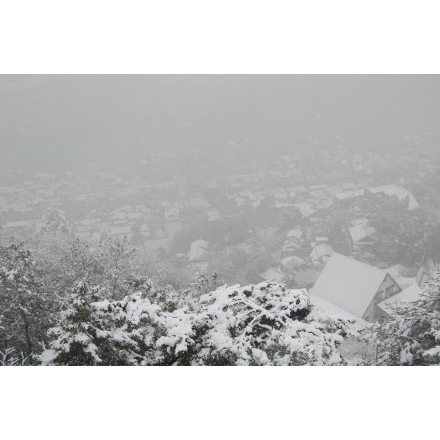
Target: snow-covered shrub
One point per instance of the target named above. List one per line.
(264, 324)
(412, 336)
(54, 221)
(140, 320)
(10, 358)
(96, 330)
(88, 332)
(24, 305)
(181, 337)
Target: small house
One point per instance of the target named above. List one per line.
(274, 274)
(391, 305)
(355, 287)
(197, 251)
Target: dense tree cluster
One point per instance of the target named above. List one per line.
(64, 301)
(402, 236)
(25, 307)
(265, 324)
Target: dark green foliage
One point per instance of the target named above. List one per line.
(25, 310)
(412, 336)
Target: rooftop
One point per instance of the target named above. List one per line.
(273, 274)
(328, 307)
(198, 250)
(349, 284)
(411, 293)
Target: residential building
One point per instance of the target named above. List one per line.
(355, 287)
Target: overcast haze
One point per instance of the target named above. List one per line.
(219, 220)
(51, 122)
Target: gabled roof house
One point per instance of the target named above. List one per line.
(355, 287)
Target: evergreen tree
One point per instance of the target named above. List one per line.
(265, 324)
(54, 221)
(88, 332)
(412, 336)
(25, 309)
(117, 261)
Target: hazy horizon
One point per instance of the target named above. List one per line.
(62, 122)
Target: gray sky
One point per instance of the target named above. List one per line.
(52, 122)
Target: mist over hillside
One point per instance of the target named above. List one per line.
(140, 214)
(51, 123)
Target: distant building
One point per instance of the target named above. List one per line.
(292, 262)
(22, 226)
(320, 253)
(402, 275)
(274, 274)
(350, 194)
(155, 244)
(321, 239)
(293, 239)
(121, 232)
(198, 251)
(360, 232)
(213, 215)
(92, 237)
(305, 209)
(397, 191)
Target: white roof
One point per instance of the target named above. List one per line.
(256, 203)
(328, 307)
(349, 284)
(358, 233)
(359, 221)
(411, 293)
(322, 239)
(213, 215)
(325, 203)
(350, 194)
(273, 274)
(19, 224)
(397, 270)
(201, 266)
(405, 282)
(292, 262)
(120, 230)
(305, 209)
(295, 233)
(198, 249)
(398, 191)
(322, 250)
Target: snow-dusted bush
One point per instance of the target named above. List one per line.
(88, 332)
(54, 221)
(265, 324)
(412, 336)
(24, 305)
(94, 329)
(96, 305)
(9, 358)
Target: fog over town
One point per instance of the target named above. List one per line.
(219, 219)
